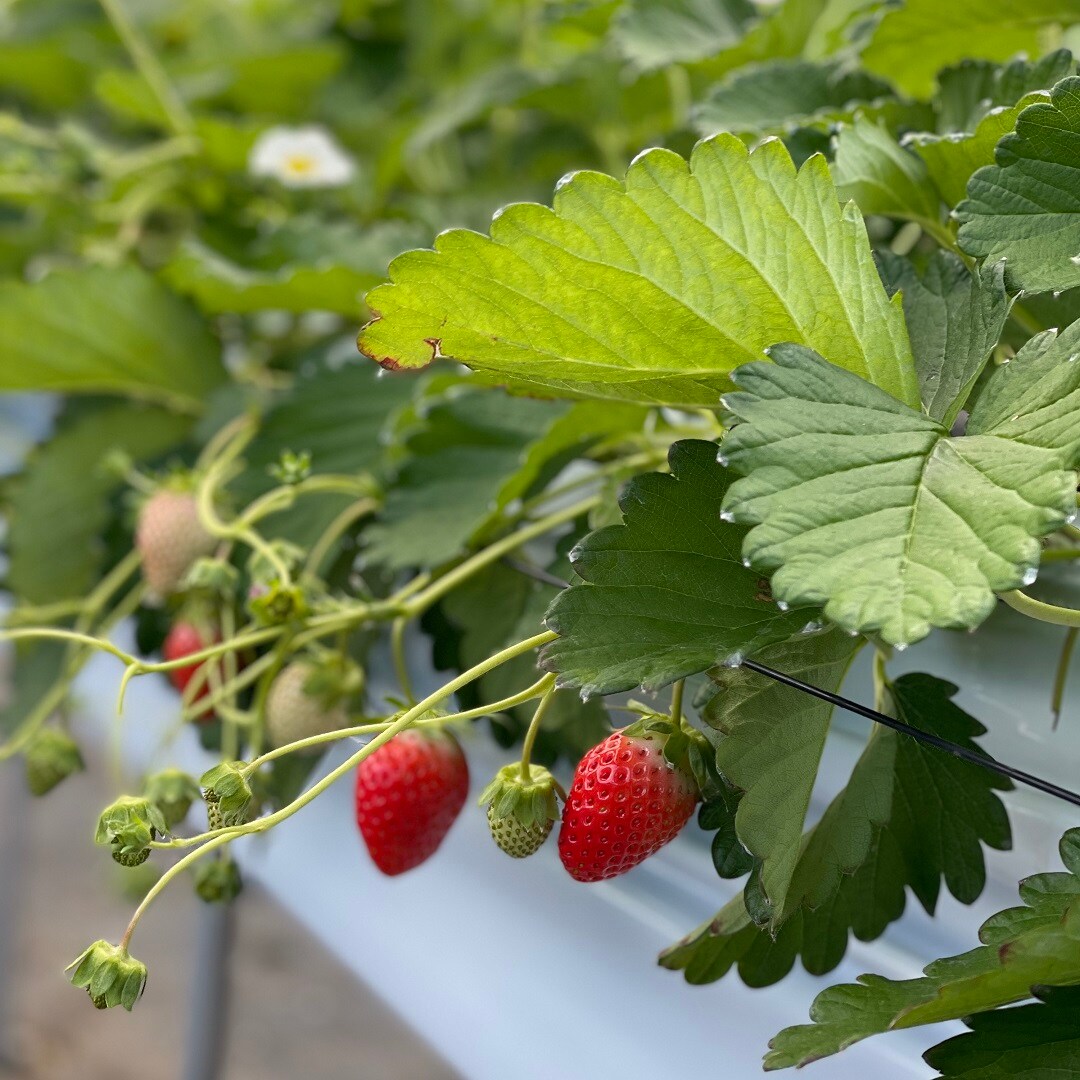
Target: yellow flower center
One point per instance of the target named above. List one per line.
(300, 164)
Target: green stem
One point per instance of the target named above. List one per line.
(534, 728)
(162, 882)
(450, 581)
(1051, 555)
(676, 702)
(1062, 674)
(1036, 609)
(334, 531)
(409, 717)
(881, 680)
(149, 66)
(397, 649)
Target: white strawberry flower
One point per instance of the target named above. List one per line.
(301, 157)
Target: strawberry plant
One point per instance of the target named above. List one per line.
(705, 424)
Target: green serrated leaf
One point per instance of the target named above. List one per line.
(1026, 207)
(882, 177)
(106, 330)
(60, 505)
(954, 319)
(925, 821)
(771, 746)
(326, 269)
(916, 40)
(654, 291)
(665, 594)
(655, 33)
(870, 509)
(1031, 947)
(973, 89)
(473, 455)
(1032, 1042)
(978, 104)
(778, 94)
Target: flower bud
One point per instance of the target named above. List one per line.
(173, 793)
(110, 976)
(51, 756)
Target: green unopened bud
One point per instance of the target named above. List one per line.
(273, 604)
(225, 788)
(173, 792)
(291, 468)
(51, 756)
(218, 882)
(109, 975)
(129, 825)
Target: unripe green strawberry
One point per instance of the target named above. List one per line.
(132, 858)
(519, 841)
(521, 809)
(218, 881)
(170, 537)
(308, 698)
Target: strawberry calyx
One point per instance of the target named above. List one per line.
(225, 788)
(682, 745)
(531, 801)
(110, 975)
(129, 825)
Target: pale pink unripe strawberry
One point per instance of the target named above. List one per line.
(298, 707)
(170, 537)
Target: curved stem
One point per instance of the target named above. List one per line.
(1062, 674)
(407, 718)
(534, 728)
(463, 571)
(881, 679)
(333, 532)
(1036, 609)
(149, 67)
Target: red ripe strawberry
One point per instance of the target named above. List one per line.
(183, 639)
(626, 802)
(170, 538)
(408, 794)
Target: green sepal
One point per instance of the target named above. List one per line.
(225, 787)
(109, 975)
(173, 792)
(531, 802)
(218, 881)
(51, 756)
(129, 825)
(272, 603)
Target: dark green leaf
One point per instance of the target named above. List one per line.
(1026, 207)
(664, 594)
(1032, 1042)
(1038, 944)
(118, 331)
